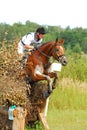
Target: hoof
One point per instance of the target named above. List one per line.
(53, 87)
(46, 94)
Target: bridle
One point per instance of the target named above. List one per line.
(55, 50)
(58, 57)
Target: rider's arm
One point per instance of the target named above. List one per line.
(28, 46)
(27, 39)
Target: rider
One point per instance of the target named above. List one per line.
(30, 40)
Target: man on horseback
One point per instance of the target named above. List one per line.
(30, 40)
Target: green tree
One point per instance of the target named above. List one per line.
(84, 45)
(77, 48)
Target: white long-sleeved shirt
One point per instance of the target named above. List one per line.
(28, 39)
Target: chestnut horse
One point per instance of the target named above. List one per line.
(38, 64)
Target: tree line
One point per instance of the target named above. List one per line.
(75, 39)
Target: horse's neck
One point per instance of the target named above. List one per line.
(47, 48)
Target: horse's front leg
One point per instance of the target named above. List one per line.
(55, 80)
(55, 76)
(39, 77)
(50, 85)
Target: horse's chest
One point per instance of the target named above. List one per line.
(39, 69)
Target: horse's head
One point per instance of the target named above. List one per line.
(58, 52)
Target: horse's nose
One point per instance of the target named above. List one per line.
(64, 62)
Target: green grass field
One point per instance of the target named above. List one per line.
(68, 106)
(67, 119)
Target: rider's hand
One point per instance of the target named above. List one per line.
(32, 47)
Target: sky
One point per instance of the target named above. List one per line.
(64, 13)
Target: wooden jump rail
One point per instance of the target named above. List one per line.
(44, 122)
(20, 122)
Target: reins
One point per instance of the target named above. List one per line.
(43, 53)
(48, 63)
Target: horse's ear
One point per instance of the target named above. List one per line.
(56, 39)
(62, 41)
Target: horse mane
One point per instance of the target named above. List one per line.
(43, 44)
